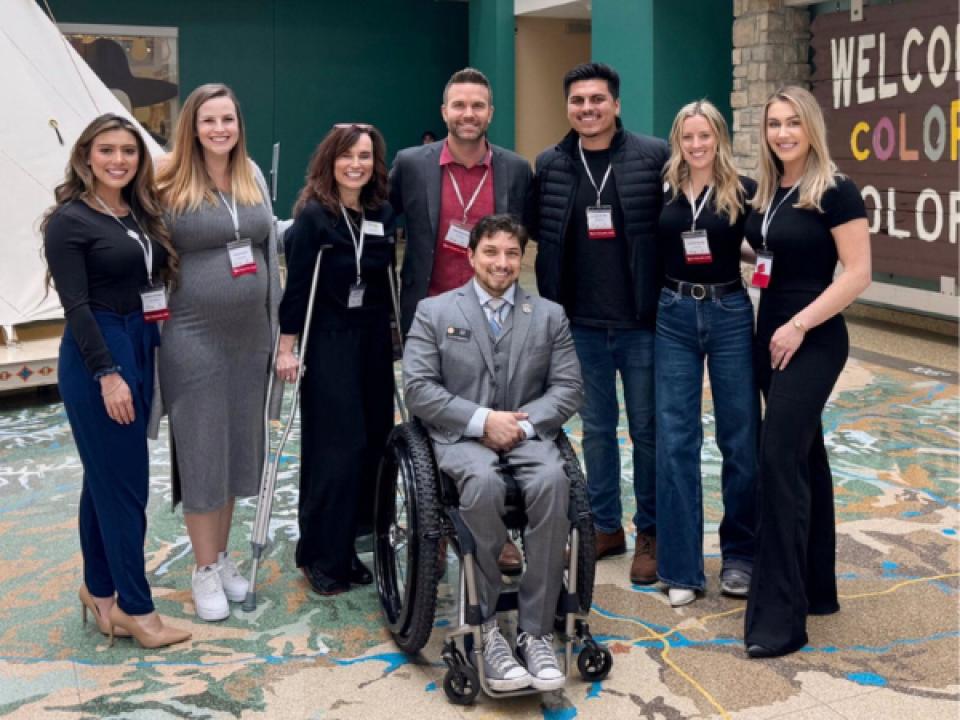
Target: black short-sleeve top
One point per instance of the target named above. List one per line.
(804, 251)
(724, 239)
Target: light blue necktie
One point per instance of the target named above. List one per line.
(494, 315)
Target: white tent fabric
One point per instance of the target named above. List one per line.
(42, 79)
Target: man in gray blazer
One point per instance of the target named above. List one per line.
(492, 372)
(443, 188)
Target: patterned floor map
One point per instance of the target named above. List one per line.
(892, 651)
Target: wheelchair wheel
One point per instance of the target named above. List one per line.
(586, 556)
(406, 537)
(461, 685)
(594, 662)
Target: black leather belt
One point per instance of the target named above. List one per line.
(703, 291)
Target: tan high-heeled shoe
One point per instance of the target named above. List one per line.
(148, 630)
(87, 602)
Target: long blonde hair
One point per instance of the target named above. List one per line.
(728, 191)
(182, 178)
(140, 194)
(819, 171)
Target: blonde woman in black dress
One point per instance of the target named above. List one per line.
(807, 217)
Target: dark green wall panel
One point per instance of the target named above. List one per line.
(298, 66)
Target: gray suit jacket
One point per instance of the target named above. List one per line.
(448, 368)
(415, 184)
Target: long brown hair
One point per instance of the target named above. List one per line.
(728, 190)
(320, 183)
(182, 177)
(140, 193)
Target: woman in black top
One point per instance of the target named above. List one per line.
(347, 390)
(704, 314)
(806, 218)
(108, 254)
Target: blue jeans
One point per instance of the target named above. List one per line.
(688, 331)
(602, 354)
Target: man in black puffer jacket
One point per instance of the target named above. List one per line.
(593, 211)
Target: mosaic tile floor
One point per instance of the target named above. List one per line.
(890, 653)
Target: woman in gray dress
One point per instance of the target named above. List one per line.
(215, 352)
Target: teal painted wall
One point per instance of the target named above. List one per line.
(693, 46)
(493, 52)
(668, 52)
(298, 66)
(623, 37)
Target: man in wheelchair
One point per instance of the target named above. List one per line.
(492, 373)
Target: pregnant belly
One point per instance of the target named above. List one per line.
(207, 292)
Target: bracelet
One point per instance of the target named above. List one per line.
(799, 326)
(110, 392)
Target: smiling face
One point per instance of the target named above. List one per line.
(698, 143)
(591, 109)
(218, 127)
(114, 159)
(354, 168)
(786, 134)
(496, 262)
(467, 111)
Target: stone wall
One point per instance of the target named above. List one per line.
(770, 48)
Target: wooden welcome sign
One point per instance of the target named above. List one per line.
(888, 86)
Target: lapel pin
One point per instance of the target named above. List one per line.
(527, 308)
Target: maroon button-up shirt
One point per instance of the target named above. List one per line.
(451, 269)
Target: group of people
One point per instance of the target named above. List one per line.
(638, 268)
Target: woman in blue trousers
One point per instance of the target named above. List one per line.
(108, 255)
(704, 315)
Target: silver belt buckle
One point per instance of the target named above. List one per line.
(698, 292)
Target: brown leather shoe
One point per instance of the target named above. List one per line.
(510, 560)
(643, 569)
(610, 543)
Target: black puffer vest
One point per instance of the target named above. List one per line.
(638, 162)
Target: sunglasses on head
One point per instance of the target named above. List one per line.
(351, 126)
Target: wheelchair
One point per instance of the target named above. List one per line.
(417, 506)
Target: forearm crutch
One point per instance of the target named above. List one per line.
(395, 299)
(268, 475)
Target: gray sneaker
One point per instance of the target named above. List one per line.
(538, 655)
(500, 667)
(734, 581)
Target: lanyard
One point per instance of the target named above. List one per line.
(145, 247)
(476, 193)
(768, 218)
(606, 175)
(232, 210)
(697, 209)
(357, 244)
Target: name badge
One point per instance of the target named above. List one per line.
(600, 222)
(458, 236)
(455, 333)
(154, 301)
(372, 227)
(242, 261)
(696, 248)
(355, 298)
(762, 270)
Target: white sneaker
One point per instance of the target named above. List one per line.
(500, 667)
(208, 596)
(538, 655)
(235, 585)
(681, 596)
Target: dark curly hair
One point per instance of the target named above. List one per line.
(320, 183)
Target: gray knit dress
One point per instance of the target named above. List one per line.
(215, 355)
